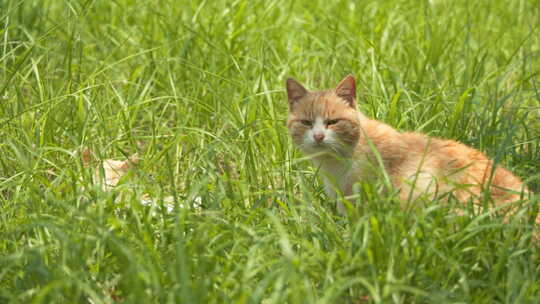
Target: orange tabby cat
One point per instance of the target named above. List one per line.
(349, 147)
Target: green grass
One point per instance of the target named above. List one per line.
(197, 89)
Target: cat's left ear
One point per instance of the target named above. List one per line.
(295, 91)
(346, 89)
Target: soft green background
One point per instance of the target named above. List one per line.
(196, 89)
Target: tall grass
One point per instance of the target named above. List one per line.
(196, 89)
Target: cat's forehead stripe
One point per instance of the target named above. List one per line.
(321, 104)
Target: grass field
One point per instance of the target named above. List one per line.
(196, 88)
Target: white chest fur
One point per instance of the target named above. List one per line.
(337, 174)
(339, 177)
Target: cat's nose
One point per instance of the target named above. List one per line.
(318, 137)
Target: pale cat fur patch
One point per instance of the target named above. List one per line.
(341, 141)
(109, 172)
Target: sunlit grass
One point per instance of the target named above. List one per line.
(196, 89)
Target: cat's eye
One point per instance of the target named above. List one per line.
(332, 122)
(306, 122)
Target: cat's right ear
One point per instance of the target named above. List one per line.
(346, 89)
(295, 91)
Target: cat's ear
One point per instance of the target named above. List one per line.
(346, 89)
(295, 91)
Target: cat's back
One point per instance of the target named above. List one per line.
(455, 161)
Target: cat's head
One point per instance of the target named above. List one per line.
(324, 121)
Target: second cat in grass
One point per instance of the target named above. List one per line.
(348, 147)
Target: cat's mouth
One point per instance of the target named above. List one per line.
(319, 147)
(326, 148)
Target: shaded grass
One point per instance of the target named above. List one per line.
(196, 90)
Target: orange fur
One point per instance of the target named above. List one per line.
(344, 144)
